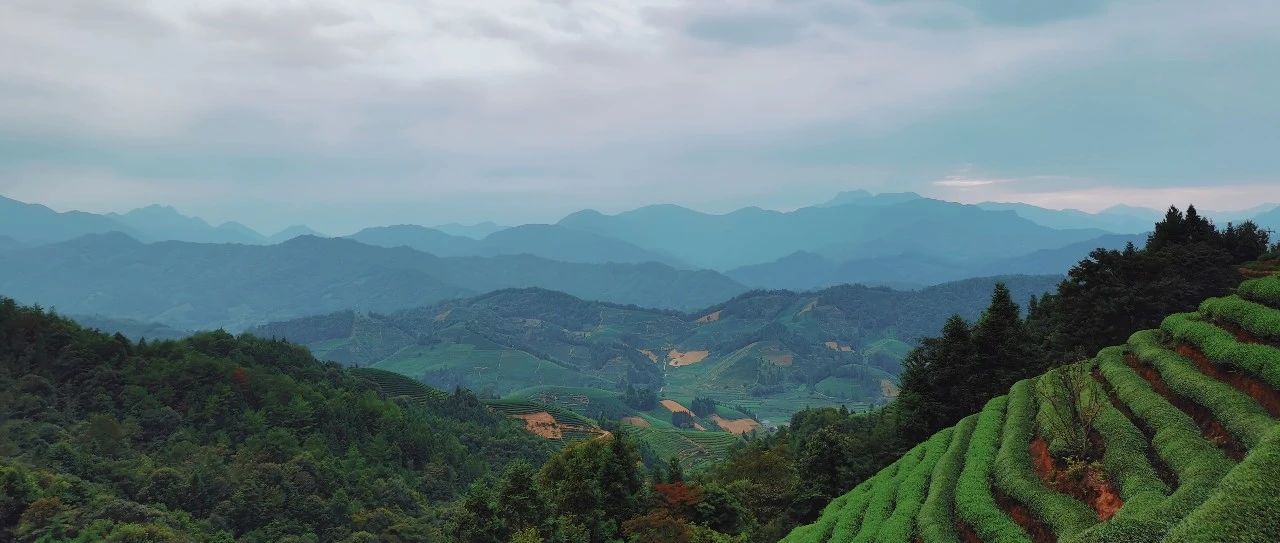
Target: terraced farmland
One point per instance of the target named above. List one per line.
(393, 385)
(1181, 445)
(692, 447)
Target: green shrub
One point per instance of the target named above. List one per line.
(1015, 476)
(1177, 441)
(1254, 318)
(1220, 346)
(881, 504)
(821, 528)
(911, 491)
(1264, 290)
(974, 501)
(936, 521)
(1240, 414)
(850, 519)
(1245, 505)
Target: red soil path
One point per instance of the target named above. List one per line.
(1091, 486)
(1212, 430)
(967, 535)
(1266, 396)
(1039, 531)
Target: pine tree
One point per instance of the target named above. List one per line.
(675, 473)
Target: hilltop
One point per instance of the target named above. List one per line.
(767, 352)
(1172, 436)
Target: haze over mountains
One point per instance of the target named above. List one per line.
(154, 264)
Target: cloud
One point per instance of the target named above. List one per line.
(526, 108)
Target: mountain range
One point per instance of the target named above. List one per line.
(202, 285)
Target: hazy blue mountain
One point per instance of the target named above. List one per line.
(862, 197)
(292, 232)
(1270, 219)
(844, 232)
(198, 286)
(34, 223)
(132, 329)
(568, 245)
(807, 271)
(1073, 218)
(1147, 214)
(543, 240)
(424, 239)
(7, 243)
(164, 223)
(478, 230)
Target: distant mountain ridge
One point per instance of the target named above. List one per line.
(867, 228)
(542, 240)
(200, 286)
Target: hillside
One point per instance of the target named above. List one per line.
(202, 286)
(1170, 437)
(222, 438)
(769, 352)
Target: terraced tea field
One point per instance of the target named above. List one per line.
(1183, 446)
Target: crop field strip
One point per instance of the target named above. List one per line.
(1165, 404)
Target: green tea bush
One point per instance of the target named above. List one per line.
(1244, 506)
(974, 501)
(881, 504)
(1254, 318)
(1220, 346)
(1197, 464)
(1014, 473)
(911, 491)
(936, 521)
(850, 521)
(1240, 414)
(1263, 290)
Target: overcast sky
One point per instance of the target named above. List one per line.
(346, 113)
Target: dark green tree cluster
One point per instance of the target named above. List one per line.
(597, 491)
(703, 407)
(642, 398)
(222, 438)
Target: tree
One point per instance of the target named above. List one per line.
(682, 419)
(675, 473)
(1069, 403)
(520, 504)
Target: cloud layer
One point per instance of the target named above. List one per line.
(421, 111)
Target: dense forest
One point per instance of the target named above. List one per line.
(215, 438)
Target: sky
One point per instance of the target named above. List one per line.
(348, 113)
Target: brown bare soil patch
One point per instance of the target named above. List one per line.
(652, 356)
(636, 421)
(1212, 430)
(888, 389)
(709, 317)
(1163, 472)
(1266, 396)
(444, 315)
(699, 427)
(1039, 531)
(674, 406)
(676, 358)
(1087, 483)
(736, 426)
(783, 360)
(808, 307)
(966, 533)
(541, 424)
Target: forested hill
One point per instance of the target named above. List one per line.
(776, 351)
(215, 438)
